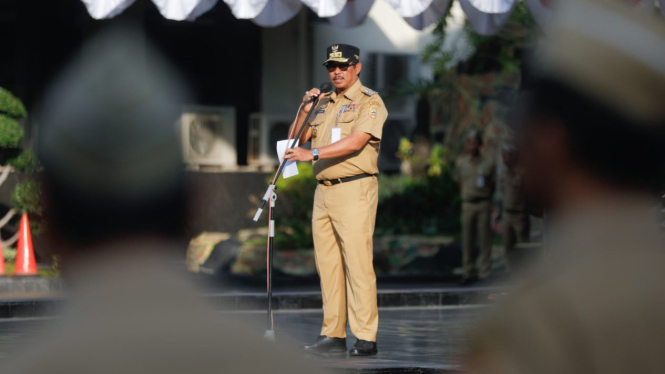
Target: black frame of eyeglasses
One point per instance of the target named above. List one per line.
(339, 64)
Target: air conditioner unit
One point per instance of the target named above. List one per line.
(264, 132)
(209, 137)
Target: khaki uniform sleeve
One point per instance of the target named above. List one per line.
(308, 132)
(372, 116)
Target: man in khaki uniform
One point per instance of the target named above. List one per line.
(345, 133)
(475, 175)
(515, 220)
(593, 157)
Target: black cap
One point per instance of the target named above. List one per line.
(342, 53)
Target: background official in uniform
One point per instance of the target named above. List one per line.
(345, 132)
(515, 221)
(476, 177)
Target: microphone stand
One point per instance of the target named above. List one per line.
(271, 195)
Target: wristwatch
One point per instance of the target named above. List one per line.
(315, 154)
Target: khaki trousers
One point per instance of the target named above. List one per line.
(516, 229)
(476, 219)
(343, 225)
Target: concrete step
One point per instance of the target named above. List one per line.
(28, 306)
(413, 297)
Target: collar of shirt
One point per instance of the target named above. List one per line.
(350, 94)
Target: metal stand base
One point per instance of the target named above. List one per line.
(269, 335)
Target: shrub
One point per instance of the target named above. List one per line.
(429, 205)
(295, 197)
(26, 197)
(26, 162)
(11, 132)
(11, 105)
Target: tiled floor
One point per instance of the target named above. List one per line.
(410, 340)
(408, 337)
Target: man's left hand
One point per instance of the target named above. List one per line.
(298, 154)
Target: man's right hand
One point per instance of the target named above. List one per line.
(313, 92)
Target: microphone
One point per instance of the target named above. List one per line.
(324, 88)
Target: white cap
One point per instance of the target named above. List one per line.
(610, 52)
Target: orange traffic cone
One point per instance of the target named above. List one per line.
(25, 255)
(2, 261)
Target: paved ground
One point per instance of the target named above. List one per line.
(408, 337)
(14, 333)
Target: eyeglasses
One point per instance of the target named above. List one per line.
(343, 67)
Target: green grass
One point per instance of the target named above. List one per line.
(44, 273)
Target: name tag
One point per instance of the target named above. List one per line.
(336, 135)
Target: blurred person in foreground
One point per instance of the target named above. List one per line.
(116, 204)
(475, 176)
(515, 220)
(593, 152)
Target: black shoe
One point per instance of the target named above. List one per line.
(363, 348)
(327, 346)
(466, 281)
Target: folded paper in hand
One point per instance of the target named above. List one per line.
(291, 168)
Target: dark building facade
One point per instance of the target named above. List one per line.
(218, 55)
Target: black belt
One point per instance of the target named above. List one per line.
(476, 200)
(333, 182)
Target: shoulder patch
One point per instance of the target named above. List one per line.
(374, 109)
(369, 92)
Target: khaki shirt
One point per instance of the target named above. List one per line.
(596, 306)
(477, 177)
(123, 317)
(513, 192)
(359, 110)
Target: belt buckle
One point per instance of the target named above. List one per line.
(327, 183)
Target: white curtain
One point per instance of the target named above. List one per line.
(277, 12)
(485, 23)
(246, 9)
(493, 6)
(431, 15)
(183, 10)
(354, 13)
(326, 8)
(486, 17)
(409, 8)
(101, 9)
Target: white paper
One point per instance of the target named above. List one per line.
(336, 135)
(291, 167)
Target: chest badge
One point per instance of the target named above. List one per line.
(341, 111)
